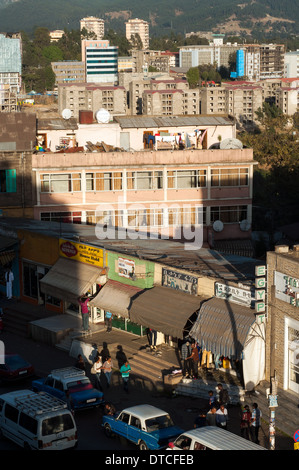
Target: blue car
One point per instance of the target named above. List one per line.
(72, 386)
(144, 425)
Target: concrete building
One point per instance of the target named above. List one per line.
(162, 61)
(262, 61)
(93, 25)
(291, 64)
(138, 27)
(11, 62)
(56, 35)
(101, 61)
(69, 71)
(282, 338)
(8, 100)
(214, 53)
(91, 97)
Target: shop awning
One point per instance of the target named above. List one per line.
(115, 297)
(164, 309)
(222, 327)
(69, 279)
(7, 254)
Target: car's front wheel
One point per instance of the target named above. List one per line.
(142, 445)
(108, 430)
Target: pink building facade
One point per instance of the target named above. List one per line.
(148, 191)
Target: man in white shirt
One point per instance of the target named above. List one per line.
(9, 278)
(222, 417)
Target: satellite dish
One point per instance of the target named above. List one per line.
(218, 226)
(231, 144)
(66, 113)
(245, 225)
(102, 115)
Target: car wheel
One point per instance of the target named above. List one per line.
(107, 430)
(142, 445)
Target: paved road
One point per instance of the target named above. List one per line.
(91, 437)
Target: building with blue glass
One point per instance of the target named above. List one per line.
(101, 61)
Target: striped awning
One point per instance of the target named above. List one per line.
(115, 297)
(222, 327)
(6, 257)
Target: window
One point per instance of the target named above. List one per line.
(104, 181)
(60, 183)
(11, 413)
(28, 423)
(125, 418)
(59, 423)
(58, 385)
(140, 180)
(186, 179)
(186, 215)
(229, 177)
(229, 214)
(135, 422)
(30, 288)
(8, 181)
(61, 217)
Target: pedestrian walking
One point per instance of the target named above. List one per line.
(120, 356)
(107, 369)
(255, 423)
(211, 417)
(152, 338)
(125, 373)
(104, 353)
(108, 321)
(200, 420)
(222, 417)
(185, 353)
(223, 395)
(98, 370)
(83, 302)
(245, 422)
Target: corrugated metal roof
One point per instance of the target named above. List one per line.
(222, 327)
(56, 124)
(172, 121)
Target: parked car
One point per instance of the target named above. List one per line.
(72, 386)
(13, 367)
(212, 438)
(144, 425)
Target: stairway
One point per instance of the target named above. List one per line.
(17, 317)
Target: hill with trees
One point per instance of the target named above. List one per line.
(261, 18)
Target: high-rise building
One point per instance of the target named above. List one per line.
(140, 27)
(101, 61)
(93, 25)
(11, 62)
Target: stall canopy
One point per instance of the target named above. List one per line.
(222, 327)
(69, 279)
(115, 297)
(164, 309)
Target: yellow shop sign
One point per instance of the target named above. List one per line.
(80, 252)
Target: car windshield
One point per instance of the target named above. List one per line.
(159, 422)
(79, 385)
(15, 362)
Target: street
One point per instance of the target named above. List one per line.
(183, 410)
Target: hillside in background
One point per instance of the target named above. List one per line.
(256, 18)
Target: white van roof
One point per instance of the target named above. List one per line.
(220, 439)
(33, 403)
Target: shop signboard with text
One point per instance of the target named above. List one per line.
(179, 281)
(81, 252)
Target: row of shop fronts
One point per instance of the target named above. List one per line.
(143, 294)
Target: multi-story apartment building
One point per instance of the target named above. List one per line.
(214, 53)
(101, 61)
(141, 27)
(262, 61)
(161, 61)
(291, 64)
(154, 193)
(11, 61)
(91, 97)
(56, 35)
(93, 25)
(69, 71)
(162, 97)
(8, 100)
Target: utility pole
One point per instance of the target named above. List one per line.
(272, 405)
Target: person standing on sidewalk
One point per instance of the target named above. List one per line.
(245, 422)
(107, 368)
(108, 321)
(255, 423)
(83, 302)
(185, 353)
(98, 370)
(222, 417)
(194, 361)
(9, 278)
(125, 373)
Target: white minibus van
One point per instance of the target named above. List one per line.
(213, 438)
(37, 421)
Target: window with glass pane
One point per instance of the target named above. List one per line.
(30, 280)
(45, 183)
(154, 217)
(229, 214)
(144, 179)
(186, 179)
(60, 183)
(229, 177)
(158, 180)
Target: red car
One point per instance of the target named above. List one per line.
(14, 367)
